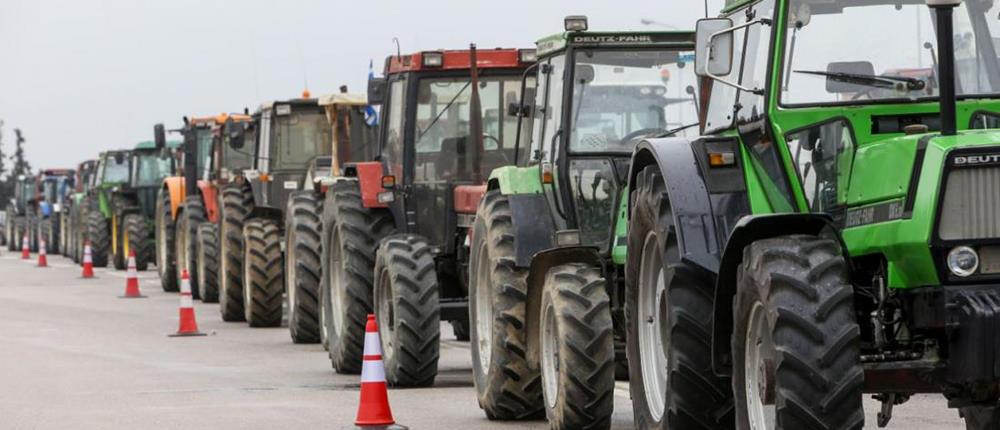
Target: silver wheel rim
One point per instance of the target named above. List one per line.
(292, 286)
(653, 337)
(484, 308)
(223, 260)
(336, 287)
(550, 355)
(758, 352)
(385, 315)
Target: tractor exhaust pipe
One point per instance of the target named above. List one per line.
(944, 11)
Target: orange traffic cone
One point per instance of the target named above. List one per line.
(188, 325)
(374, 411)
(88, 261)
(25, 252)
(43, 260)
(132, 280)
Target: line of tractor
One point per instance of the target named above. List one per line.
(754, 229)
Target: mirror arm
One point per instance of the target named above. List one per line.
(708, 54)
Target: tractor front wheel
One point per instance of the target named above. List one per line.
(137, 240)
(577, 348)
(236, 205)
(263, 281)
(985, 417)
(407, 310)
(303, 266)
(186, 242)
(208, 262)
(100, 240)
(166, 259)
(796, 343)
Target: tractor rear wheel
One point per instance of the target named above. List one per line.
(100, 239)
(796, 344)
(407, 310)
(263, 281)
(460, 328)
(137, 240)
(669, 309)
(191, 215)
(45, 231)
(981, 417)
(208, 262)
(351, 235)
(236, 206)
(507, 386)
(577, 348)
(166, 259)
(303, 266)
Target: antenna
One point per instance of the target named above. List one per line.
(399, 54)
(302, 64)
(706, 8)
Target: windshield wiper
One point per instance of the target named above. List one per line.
(446, 107)
(887, 82)
(672, 132)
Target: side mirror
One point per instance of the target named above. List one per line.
(159, 136)
(584, 74)
(714, 44)
(119, 158)
(376, 90)
(518, 110)
(234, 133)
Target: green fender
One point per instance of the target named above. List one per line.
(516, 180)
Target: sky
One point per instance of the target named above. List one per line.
(82, 76)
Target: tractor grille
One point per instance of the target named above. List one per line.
(971, 206)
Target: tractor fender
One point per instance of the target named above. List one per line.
(694, 221)
(541, 263)
(210, 199)
(369, 175)
(748, 230)
(175, 186)
(531, 218)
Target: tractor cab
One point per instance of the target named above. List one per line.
(151, 163)
(51, 190)
(354, 137)
(24, 195)
(434, 166)
(599, 95)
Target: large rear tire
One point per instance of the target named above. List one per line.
(45, 231)
(100, 239)
(407, 310)
(577, 348)
(137, 240)
(166, 260)
(796, 345)
(986, 417)
(351, 235)
(208, 262)
(669, 313)
(303, 266)
(236, 206)
(191, 215)
(507, 386)
(263, 279)
(119, 257)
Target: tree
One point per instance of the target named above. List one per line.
(21, 166)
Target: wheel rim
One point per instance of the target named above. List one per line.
(484, 307)
(336, 286)
(653, 337)
(223, 260)
(290, 278)
(385, 314)
(759, 354)
(550, 356)
(161, 243)
(125, 246)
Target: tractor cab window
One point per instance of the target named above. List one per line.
(205, 138)
(115, 172)
(985, 120)
(823, 155)
(50, 190)
(299, 137)
(392, 150)
(622, 96)
(242, 158)
(151, 169)
(866, 66)
(444, 148)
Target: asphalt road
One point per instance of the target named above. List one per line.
(73, 355)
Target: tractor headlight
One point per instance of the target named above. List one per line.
(963, 261)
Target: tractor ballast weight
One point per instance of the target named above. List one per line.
(864, 246)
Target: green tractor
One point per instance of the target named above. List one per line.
(100, 222)
(74, 220)
(547, 257)
(21, 215)
(834, 232)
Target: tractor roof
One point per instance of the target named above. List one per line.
(220, 119)
(499, 58)
(306, 101)
(615, 39)
(55, 172)
(344, 99)
(149, 144)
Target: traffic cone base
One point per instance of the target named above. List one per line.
(132, 280)
(188, 324)
(43, 259)
(374, 411)
(378, 427)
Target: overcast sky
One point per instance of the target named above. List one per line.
(81, 76)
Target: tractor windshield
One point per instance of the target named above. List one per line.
(301, 136)
(115, 172)
(443, 146)
(150, 169)
(204, 137)
(888, 52)
(50, 188)
(622, 96)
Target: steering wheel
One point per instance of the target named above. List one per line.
(641, 133)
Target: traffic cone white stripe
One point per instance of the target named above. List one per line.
(372, 371)
(187, 301)
(372, 345)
